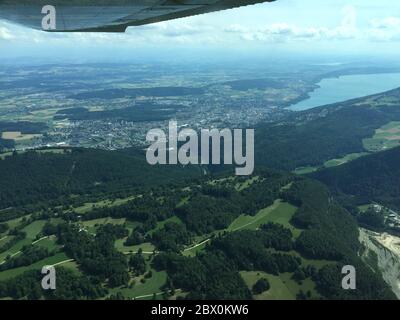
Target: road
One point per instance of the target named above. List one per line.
(61, 262)
(151, 295)
(18, 252)
(198, 245)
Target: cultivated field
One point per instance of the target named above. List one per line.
(18, 136)
(386, 137)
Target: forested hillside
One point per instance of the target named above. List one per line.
(38, 176)
(271, 235)
(329, 234)
(371, 178)
(312, 137)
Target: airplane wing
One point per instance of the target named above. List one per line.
(109, 15)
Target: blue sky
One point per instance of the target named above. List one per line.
(289, 26)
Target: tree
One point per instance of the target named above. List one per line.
(138, 264)
(299, 275)
(371, 219)
(261, 286)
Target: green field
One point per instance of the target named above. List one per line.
(15, 222)
(345, 159)
(33, 229)
(386, 137)
(102, 204)
(15, 249)
(316, 263)
(330, 163)
(71, 265)
(305, 170)
(279, 212)
(147, 247)
(49, 243)
(365, 207)
(91, 225)
(278, 290)
(253, 222)
(7, 274)
(4, 240)
(282, 286)
(151, 286)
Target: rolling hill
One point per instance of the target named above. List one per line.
(375, 177)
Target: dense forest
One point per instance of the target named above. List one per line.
(96, 255)
(23, 127)
(374, 177)
(35, 177)
(140, 112)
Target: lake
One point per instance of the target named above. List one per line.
(344, 88)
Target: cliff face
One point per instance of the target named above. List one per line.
(382, 251)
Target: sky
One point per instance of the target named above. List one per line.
(343, 27)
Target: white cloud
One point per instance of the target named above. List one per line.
(235, 28)
(284, 32)
(5, 33)
(385, 29)
(386, 23)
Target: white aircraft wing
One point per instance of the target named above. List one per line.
(109, 15)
